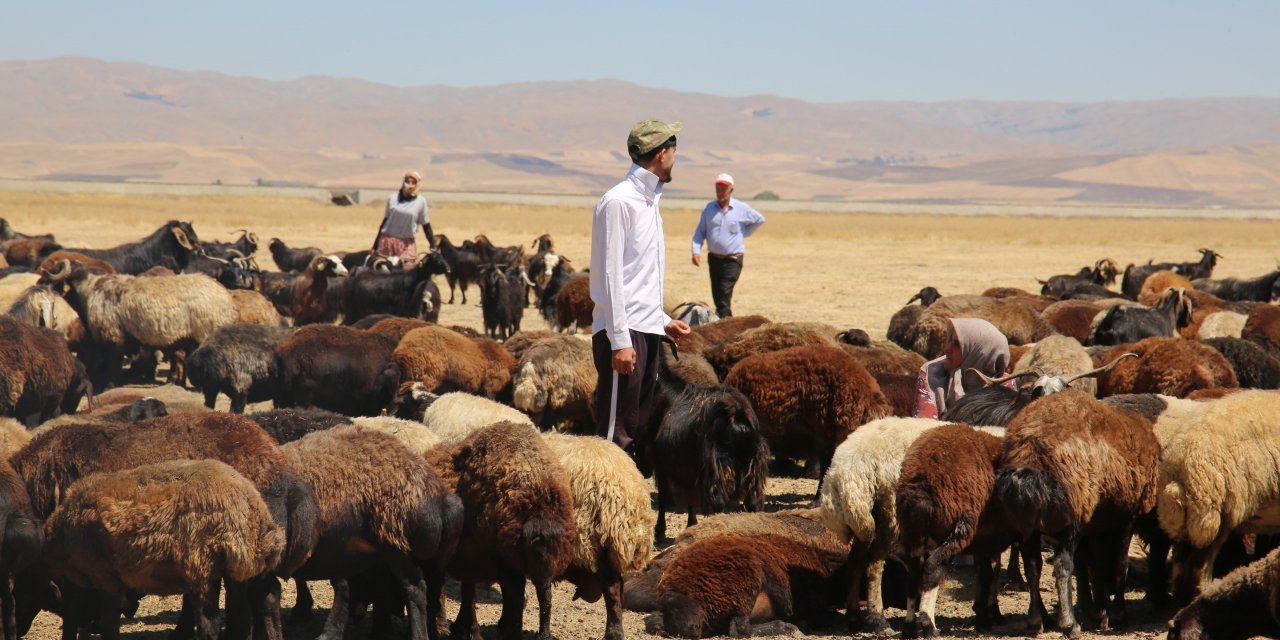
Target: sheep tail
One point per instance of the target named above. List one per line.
(1029, 496)
(301, 535)
(543, 542)
(1185, 520)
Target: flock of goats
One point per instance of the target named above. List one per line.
(400, 451)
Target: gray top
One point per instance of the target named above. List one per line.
(404, 218)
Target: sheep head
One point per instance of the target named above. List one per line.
(1047, 385)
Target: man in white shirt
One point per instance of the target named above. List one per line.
(628, 262)
(724, 224)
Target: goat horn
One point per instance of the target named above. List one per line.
(235, 253)
(1099, 371)
(64, 270)
(240, 231)
(1012, 376)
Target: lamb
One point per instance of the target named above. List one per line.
(1218, 476)
(1170, 366)
(1074, 466)
(1255, 367)
(809, 399)
(36, 372)
(519, 523)
(181, 526)
(574, 307)
(857, 504)
(770, 337)
(1241, 605)
(704, 446)
(613, 518)
(337, 368)
(160, 313)
(445, 360)
(944, 507)
(291, 259)
(555, 383)
(237, 360)
(372, 490)
(310, 303)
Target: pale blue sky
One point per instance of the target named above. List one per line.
(819, 51)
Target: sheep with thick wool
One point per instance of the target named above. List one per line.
(237, 360)
(1073, 317)
(944, 507)
(1059, 356)
(555, 382)
(1243, 604)
(254, 308)
(884, 358)
(1254, 365)
(857, 501)
(1262, 325)
(1075, 466)
(37, 371)
(613, 518)
(444, 360)
(40, 306)
(20, 529)
(809, 398)
(1222, 324)
(454, 416)
(1169, 366)
(1020, 323)
(763, 339)
(415, 436)
(1218, 476)
(377, 501)
(519, 523)
(395, 327)
(181, 526)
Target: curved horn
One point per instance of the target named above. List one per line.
(1099, 371)
(240, 231)
(253, 238)
(992, 381)
(64, 270)
(235, 253)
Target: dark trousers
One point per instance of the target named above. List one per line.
(724, 275)
(628, 409)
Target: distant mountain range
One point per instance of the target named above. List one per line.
(79, 118)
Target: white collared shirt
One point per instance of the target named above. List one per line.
(628, 260)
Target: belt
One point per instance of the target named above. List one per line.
(726, 256)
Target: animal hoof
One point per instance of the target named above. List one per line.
(1073, 632)
(869, 623)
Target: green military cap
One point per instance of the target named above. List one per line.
(648, 135)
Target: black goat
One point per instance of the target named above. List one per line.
(232, 273)
(1135, 275)
(244, 246)
(398, 293)
(464, 266)
(171, 246)
(502, 299)
(1261, 289)
(493, 254)
(291, 260)
(561, 273)
(7, 233)
(543, 243)
(1125, 323)
(704, 447)
(1088, 291)
(1103, 273)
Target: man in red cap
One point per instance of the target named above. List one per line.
(724, 224)
(628, 263)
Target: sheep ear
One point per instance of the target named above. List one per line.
(181, 237)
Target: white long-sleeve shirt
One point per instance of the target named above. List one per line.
(628, 260)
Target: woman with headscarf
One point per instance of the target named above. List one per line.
(406, 211)
(972, 343)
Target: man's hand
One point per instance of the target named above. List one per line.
(675, 330)
(624, 361)
(697, 259)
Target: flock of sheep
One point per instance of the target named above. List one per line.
(400, 452)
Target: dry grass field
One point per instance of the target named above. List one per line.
(847, 270)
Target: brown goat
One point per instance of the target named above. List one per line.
(944, 507)
(1082, 472)
(309, 303)
(809, 399)
(1170, 366)
(519, 523)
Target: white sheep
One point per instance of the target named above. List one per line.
(415, 436)
(1222, 324)
(454, 416)
(857, 504)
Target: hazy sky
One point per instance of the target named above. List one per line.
(819, 51)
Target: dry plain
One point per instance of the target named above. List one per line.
(850, 270)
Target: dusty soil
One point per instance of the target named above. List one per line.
(844, 269)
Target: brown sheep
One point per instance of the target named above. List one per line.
(770, 337)
(1243, 604)
(522, 340)
(1263, 326)
(1072, 467)
(77, 260)
(1018, 322)
(254, 308)
(725, 328)
(1014, 294)
(37, 372)
(902, 325)
(1156, 284)
(396, 327)
(809, 399)
(555, 383)
(181, 526)
(22, 533)
(28, 252)
(1073, 317)
(900, 391)
(519, 523)
(1170, 366)
(376, 503)
(444, 360)
(944, 508)
(336, 368)
(887, 359)
(574, 305)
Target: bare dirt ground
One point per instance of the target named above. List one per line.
(850, 270)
